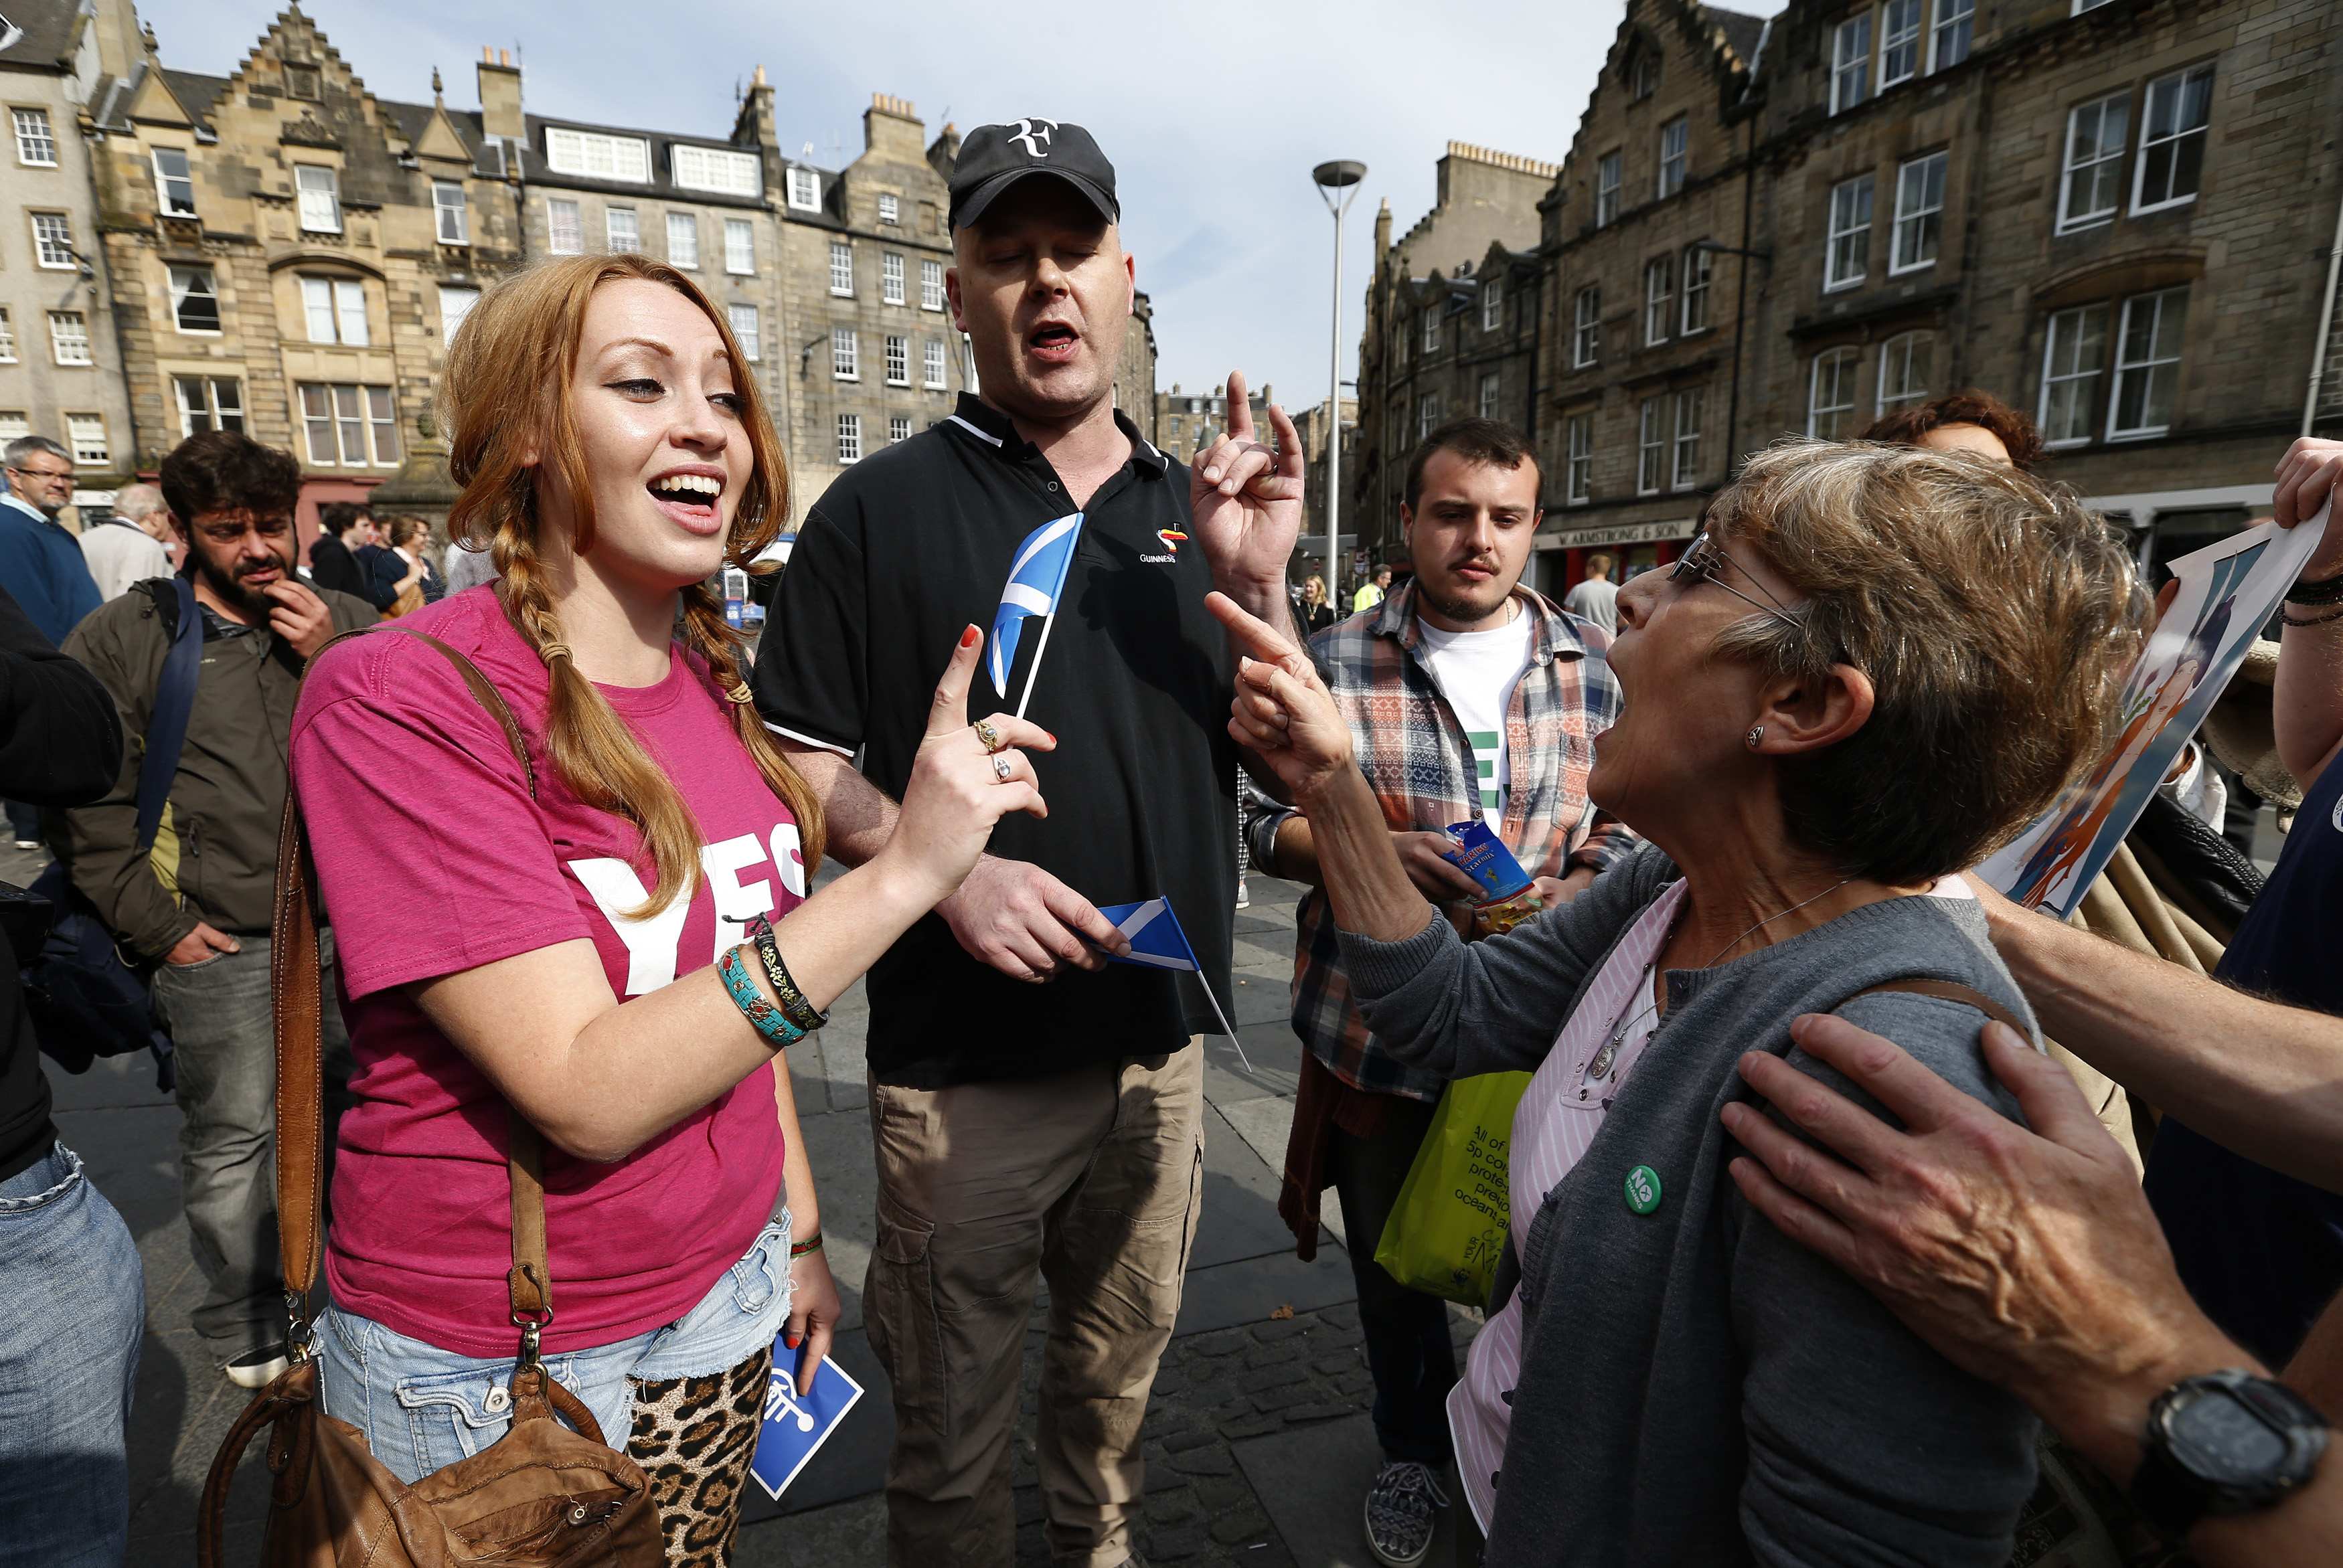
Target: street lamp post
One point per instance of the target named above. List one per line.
(1338, 185)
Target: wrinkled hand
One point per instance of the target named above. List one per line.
(199, 944)
(815, 1310)
(1283, 710)
(1245, 498)
(2029, 1259)
(955, 794)
(1024, 922)
(1435, 876)
(2308, 478)
(298, 616)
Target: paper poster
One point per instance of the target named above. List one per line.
(2228, 591)
(797, 1424)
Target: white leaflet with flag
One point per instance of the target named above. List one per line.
(1037, 575)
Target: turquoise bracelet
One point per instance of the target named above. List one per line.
(776, 1030)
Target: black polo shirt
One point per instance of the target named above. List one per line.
(907, 547)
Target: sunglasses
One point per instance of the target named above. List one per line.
(1704, 561)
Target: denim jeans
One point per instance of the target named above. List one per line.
(219, 1014)
(422, 1408)
(72, 1308)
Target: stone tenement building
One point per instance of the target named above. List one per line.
(1188, 422)
(1636, 373)
(1450, 321)
(289, 255)
(2113, 214)
(60, 358)
(279, 251)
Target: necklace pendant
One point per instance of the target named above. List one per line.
(1600, 1067)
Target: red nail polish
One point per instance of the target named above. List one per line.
(969, 635)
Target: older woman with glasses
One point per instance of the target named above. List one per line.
(1874, 666)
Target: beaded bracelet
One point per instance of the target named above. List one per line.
(794, 1005)
(771, 1025)
(810, 1244)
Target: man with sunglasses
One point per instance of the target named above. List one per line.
(41, 562)
(1469, 698)
(196, 902)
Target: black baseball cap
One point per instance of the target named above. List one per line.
(994, 158)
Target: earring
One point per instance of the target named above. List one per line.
(1756, 734)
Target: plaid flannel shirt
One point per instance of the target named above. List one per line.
(1416, 757)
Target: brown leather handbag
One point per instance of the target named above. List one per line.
(540, 1495)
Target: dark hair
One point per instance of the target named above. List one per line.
(1485, 441)
(2013, 429)
(225, 471)
(338, 518)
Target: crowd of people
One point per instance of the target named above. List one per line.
(1814, 1252)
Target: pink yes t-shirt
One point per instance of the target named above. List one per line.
(432, 859)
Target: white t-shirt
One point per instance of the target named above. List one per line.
(1476, 671)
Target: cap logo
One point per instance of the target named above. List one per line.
(1034, 140)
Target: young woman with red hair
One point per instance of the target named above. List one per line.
(590, 953)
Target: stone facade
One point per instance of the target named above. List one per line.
(2154, 307)
(60, 355)
(844, 396)
(1314, 425)
(279, 261)
(1134, 371)
(1635, 360)
(1188, 422)
(1432, 347)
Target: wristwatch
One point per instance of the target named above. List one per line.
(2227, 1443)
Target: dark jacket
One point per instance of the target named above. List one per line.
(42, 564)
(331, 565)
(214, 859)
(390, 570)
(1695, 1387)
(60, 745)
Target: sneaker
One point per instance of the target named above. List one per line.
(1402, 1507)
(28, 843)
(257, 1369)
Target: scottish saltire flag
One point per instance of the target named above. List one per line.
(1158, 942)
(1035, 579)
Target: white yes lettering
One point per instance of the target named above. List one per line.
(653, 940)
(1034, 140)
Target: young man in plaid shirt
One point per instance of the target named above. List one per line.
(1468, 695)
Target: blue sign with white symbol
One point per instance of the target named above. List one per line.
(797, 1424)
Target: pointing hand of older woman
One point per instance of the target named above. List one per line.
(2029, 1259)
(1283, 711)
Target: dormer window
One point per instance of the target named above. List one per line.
(1644, 75)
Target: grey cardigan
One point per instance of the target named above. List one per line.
(1697, 1388)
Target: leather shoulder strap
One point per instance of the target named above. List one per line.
(296, 986)
(1950, 991)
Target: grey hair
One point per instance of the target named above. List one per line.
(137, 501)
(24, 447)
(1994, 617)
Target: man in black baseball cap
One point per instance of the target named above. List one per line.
(1038, 1114)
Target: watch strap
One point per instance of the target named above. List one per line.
(2175, 1496)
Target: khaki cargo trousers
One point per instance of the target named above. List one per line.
(1089, 1180)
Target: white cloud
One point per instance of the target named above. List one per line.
(1213, 113)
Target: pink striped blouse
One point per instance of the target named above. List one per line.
(1560, 1114)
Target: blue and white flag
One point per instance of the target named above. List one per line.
(796, 1424)
(1036, 578)
(1158, 942)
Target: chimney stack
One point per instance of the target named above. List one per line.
(499, 82)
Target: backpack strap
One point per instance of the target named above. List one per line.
(174, 702)
(296, 996)
(1950, 991)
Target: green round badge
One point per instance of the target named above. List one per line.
(1643, 1189)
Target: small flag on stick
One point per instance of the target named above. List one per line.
(1158, 942)
(1036, 577)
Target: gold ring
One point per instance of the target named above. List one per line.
(987, 734)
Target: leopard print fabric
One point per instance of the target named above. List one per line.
(694, 1437)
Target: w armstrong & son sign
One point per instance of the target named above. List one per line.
(1618, 534)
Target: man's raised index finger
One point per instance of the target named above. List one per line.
(1240, 409)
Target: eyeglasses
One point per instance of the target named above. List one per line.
(42, 473)
(1704, 560)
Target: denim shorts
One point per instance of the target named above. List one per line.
(422, 1408)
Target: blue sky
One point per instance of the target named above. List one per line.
(1213, 113)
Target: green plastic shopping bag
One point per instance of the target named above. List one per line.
(1447, 1231)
